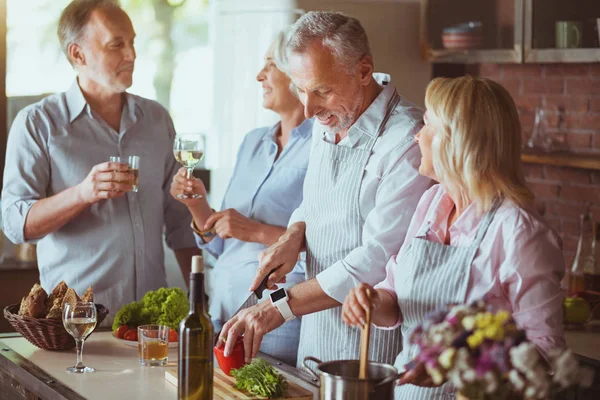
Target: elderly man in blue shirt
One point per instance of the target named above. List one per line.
(265, 188)
(91, 229)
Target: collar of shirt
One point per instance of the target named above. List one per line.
(303, 130)
(465, 225)
(369, 121)
(76, 104)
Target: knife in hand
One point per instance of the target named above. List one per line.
(263, 285)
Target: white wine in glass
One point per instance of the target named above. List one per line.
(188, 151)
(79, 320)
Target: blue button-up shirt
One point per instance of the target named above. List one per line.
(115, 246)
(265, 190)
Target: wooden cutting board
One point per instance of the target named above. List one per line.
(223, 388)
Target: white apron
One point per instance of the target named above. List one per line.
(333, 229)
(428, 276)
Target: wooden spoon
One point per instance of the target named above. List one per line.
(363, 372)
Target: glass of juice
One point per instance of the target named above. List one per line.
(153, 345)
(134, 168)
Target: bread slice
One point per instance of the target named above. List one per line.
(23, 312)
(58, 293)
(36, 302)
(88, 295)
(55, 311)
(70, 298)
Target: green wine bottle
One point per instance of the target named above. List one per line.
(195, 365)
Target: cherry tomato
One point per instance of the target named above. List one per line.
(120, 332)
(131, 334)
(173, 336)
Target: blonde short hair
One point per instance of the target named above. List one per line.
(477, 154)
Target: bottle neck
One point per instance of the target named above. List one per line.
(197, 293)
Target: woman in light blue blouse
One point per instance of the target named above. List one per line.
(266, 187)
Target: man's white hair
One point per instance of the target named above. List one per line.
(344, 36)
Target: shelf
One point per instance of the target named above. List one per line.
(591, 55)
(473, 56)
(583, 161)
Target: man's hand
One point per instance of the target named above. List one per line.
(231, 224)
(281, 258)
(105, 181)
(182, 185)
(254, 323)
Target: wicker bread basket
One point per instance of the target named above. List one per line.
(47, 334)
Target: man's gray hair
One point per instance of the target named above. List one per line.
(74, 18)
(343, 35)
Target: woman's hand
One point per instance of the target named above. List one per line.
(417, 376)
(358, 301)
(231, 224)
(182, 185)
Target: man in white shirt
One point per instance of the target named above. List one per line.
(360, 191)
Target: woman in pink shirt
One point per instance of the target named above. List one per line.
(474, 234)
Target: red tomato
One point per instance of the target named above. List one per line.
(120, 332)
(131, 334)
(235, 360)
(173, 336)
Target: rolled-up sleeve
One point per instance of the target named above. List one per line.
(530, 276)
(26, 173)
(384, 230)
(214, 247)
(178, 232)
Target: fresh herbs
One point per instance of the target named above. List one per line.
(260, 378)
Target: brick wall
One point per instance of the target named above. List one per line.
(570, 95)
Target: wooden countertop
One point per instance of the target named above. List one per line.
(118, 374)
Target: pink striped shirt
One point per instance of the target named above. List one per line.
(518, 267)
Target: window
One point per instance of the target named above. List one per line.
(174, 58)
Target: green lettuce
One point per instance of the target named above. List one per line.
(260, 378)
(165, 306)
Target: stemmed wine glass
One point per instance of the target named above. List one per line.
(188, 150)
(79, 320)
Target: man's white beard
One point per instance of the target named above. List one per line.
(346, 120)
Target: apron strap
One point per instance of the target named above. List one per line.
(487, 220)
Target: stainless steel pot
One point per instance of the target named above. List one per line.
(339, 380)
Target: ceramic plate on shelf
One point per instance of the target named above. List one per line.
(134, 343)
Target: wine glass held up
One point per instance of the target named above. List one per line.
(188, 151)
(79, 319)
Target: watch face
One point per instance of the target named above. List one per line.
(278, 295)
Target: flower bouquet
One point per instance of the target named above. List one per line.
(485, 356)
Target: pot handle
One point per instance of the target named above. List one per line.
(389, 379)
(310, 371)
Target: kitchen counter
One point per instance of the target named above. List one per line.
(584, 344)
(118, 374)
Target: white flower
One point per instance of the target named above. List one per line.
(469, 375)
(491, 382)
(445, 359)
(524, 357)
(459, 311)
(530, 392)
(469, 322)
(566, 369)
(454, 376)
(436, 374)
(462, 359)
(516, 379)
